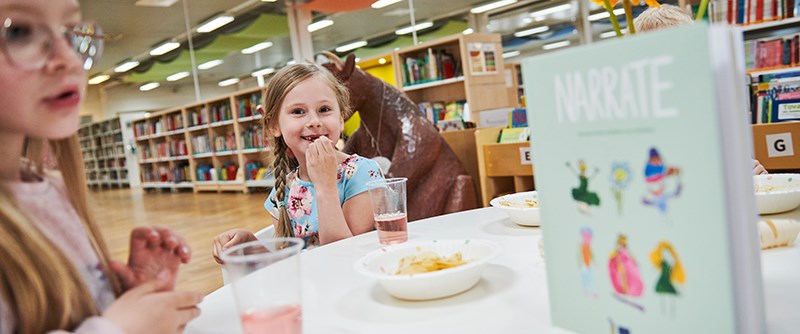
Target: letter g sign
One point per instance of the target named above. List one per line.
(779, 145)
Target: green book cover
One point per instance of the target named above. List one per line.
(636, 158)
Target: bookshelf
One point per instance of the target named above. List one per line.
(457, 68)
(103, 149)
(214, 145)
(500, 168)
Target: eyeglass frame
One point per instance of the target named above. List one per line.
(72, 35)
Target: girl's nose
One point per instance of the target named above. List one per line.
(313, 121)
(63, 54)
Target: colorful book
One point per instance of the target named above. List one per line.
(645, 181)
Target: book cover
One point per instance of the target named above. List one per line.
(642, 163)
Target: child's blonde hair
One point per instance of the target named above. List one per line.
(279, 86)
(666, 16)
(37, 281)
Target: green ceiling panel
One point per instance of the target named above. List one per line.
(449, 29)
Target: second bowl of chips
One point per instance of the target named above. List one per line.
(429, 269)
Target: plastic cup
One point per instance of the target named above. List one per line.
(265, 278)
(388, 199)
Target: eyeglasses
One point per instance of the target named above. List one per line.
(29, 45)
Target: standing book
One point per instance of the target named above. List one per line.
(641, 151)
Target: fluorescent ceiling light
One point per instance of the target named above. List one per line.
(555, 45)
(209, 64)
(467, 31)
(383, 3)
(418, 27)
(531, 31)
(256, 48)
(149, 86)
(551, 10)
(291, 62)
(164, 48)
(511, 54)
(269, 0)
(490, 6)
(351, 46)
(604, 14)
(214, 24)
(126, 67)
(228, 82)
(319, 25)
(98, 79)
(608, 34)
(177, 76)
(263, 72)
(381, 61)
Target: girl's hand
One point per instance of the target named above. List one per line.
(153, 251)
(321, 160)
(229, 239)
(758, 169)
(144, 309)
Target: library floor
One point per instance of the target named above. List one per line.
(197, 217)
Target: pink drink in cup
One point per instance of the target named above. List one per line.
(265, 279)
(388, 199)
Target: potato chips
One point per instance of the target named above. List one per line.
(428, 262)
(529, 203)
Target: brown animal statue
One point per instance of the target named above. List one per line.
(393, 127)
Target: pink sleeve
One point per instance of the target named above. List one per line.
(94, 325)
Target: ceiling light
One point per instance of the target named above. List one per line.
(351, 46)
(263, 72)
(381, 61)
(467, 31)
(164, 48)
(319, 25)
(149, 86)
(126, 66)
(608, 34)
(98, 79)
(555, 45)
(209, 64)
(228, 82)
(214, 24)
(383, 3)
(490, 6)
(604, 14)
(269, 0)
(177, 76)
(418, 27)
(291, 62)
(551, 10)
(511, 54)
(257, 47)
(531, 31)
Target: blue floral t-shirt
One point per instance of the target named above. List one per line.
(353, 175)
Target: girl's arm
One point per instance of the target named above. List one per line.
(322, 164)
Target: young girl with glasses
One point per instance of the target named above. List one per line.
(56, 274)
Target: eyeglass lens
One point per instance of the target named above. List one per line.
(30, 46)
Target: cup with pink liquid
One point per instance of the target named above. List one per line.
(265, 278)
(388, 198)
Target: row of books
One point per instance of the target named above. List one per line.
(175, 174)
(430, 66)
(225, 143)
(252, 137)
(145, 152)
(226, 172)
(249, 105)
(201, 144)
(220, 112)
(771, 53)
(255, 170)
(775, 98)
(439, 110)
(197, 117)
(743, 12)
(171, 149)
(173, 122)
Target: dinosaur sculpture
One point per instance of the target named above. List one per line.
(393, 127)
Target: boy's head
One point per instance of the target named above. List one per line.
(666, 16)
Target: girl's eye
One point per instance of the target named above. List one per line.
(297, 111)
(324, 109)
(19, 33)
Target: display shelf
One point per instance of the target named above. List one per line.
(499, 165)
(102, 146)
(772, 25)
(755, 73)
(433, 84)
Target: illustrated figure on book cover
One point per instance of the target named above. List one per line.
(665, 258)
(620, 179)
(586, 260)
(657, 175)
(584, 198)
(625, 272)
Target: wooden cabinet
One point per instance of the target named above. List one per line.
(777, 145)
(500, 166)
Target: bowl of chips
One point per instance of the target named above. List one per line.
(431, 269)
(522, 208)
(777, 192)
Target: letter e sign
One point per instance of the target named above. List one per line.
(780, 145)
(525, 156)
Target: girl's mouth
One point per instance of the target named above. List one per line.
(311, 138)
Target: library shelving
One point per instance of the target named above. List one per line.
(214, 145)
(103, 150)
(456, 68)
(500, 169)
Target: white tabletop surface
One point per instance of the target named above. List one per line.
(510, 298)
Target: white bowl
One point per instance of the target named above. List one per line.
(383, 263)
(514, 206)
(777, 192)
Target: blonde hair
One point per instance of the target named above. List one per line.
(656, 258)
(38, 282)
(666, 16)
(282, 163)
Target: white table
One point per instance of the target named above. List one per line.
(510, 298)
